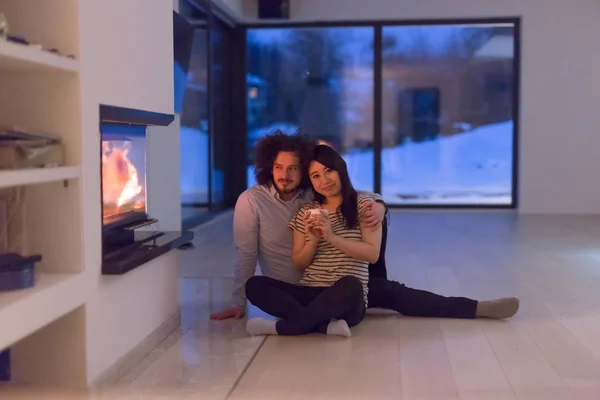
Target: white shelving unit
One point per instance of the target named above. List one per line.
(34, 176)
(77, 328)
(44, 326)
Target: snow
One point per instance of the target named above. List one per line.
(474, 167)
(194, 165)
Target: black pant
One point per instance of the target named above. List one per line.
(305, 309)
(391, 295)
(396, 296)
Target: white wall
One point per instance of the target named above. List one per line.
(129, 64)
(560, 89)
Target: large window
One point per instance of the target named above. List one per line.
(319, 80)
(447, 114)
(444, 129)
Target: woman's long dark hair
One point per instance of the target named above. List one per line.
(331, 159)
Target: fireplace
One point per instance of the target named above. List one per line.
(125, 246)
(123, 174)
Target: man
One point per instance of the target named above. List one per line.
(261, 217)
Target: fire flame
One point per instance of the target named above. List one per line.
(120, 180)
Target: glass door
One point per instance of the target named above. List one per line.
(220, 111)
(192, 106)
(203, 104)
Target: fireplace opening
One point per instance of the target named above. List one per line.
(130, 236)
(123, 174)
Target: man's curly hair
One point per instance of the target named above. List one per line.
(270, 146)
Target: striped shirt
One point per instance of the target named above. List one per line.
(261, 235)
(329, 264)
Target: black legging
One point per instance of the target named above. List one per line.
(304, 309)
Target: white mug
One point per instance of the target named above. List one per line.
(314, 211)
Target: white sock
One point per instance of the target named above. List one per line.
(339, 328)
(261, 326)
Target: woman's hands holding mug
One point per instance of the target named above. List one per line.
(323, 224)
(317, 224)
(310, 228)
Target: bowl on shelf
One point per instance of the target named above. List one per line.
(17, 272)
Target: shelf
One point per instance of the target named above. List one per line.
(16, 57)
(32, 176)
(27, 310)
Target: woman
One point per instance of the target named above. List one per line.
(332, 249)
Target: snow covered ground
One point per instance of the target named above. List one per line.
(474, 167)
(194, 165)
(471, 168)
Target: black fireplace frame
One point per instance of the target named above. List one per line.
(115, 115)
(124, 249)
(122, 115)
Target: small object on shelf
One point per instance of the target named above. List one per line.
(3, 27)
(17, 39)
(55, 51)
(22, 149)
(17, 272)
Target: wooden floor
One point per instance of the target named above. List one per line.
(550, 350)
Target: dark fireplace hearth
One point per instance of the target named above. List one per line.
(127, 238)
